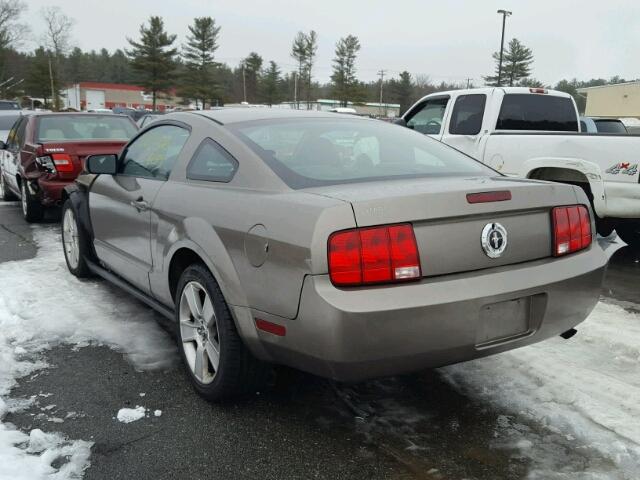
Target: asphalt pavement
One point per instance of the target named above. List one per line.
(416, 426)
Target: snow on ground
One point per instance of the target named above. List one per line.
(128, 415)
(587, 388)
(42, 306)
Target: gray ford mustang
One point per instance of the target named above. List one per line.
(346, 247)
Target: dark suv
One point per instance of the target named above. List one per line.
(45, 152)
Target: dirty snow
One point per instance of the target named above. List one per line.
(42, 306)
(585, 389)
(128, 415)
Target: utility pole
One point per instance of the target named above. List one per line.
(244, 85)
(381, 73)
(505, 14)
(469, 83)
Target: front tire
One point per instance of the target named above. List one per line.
(74, 243)
(32, 209)
(217, 361)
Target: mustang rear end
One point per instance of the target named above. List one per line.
(463, 276)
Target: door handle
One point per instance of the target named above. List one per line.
(139, 205)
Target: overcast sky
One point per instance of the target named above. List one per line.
(448, 40)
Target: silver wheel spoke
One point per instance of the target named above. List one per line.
(188, 332)
(193, 298)
(208, 314)
(201, 363)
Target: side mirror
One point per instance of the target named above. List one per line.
(400, 121)
(102, 164)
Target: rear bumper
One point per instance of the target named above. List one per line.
(352, 335)
(50, 191)
(622, 200)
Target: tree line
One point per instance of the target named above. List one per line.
(155, 61)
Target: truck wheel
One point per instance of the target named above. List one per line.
(5, 193)
(32, 209)
(217, 362)
(630, 233)
(74, 242)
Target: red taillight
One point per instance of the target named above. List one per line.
(571, 229)
(537, 90)
(63, 162)
(365, 256)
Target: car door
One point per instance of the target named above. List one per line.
(465, 127)
(11, 155)
(428, 117)
(121, 205)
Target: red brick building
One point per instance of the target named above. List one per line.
(93, 95)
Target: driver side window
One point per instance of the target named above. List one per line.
(429, 116)
(154, 153)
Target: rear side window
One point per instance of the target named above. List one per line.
(466, 118)
(212, 163)
(610, 126)
(537, 112)
(154, 153)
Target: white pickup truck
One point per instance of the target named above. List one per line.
(535, 133)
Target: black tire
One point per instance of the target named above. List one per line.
(238, 371)
(32, 209)
(630, 233)
(78, 268)
(5, 193)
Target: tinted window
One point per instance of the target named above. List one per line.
(15, 139)
(537, 112)
(610, 126)
(4, 105)
(466, 118)
(212, 162)
(84, 127)
(583, 126)
(315, 152)
(427, 118)
(154, 153)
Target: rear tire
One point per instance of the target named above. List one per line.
(215, 357)
(630, 233)
(32, 209)
(75, 243)
(5, 193)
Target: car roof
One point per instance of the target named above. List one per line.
(225, 116)
(84, 114)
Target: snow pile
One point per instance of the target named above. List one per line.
(30, 457)
(128, 415)
(42, 306)
(587, 387)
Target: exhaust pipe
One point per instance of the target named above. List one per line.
(569, 333)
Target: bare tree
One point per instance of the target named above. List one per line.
(11, 31)
(57, 36)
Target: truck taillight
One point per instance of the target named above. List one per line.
(571, 229)
(537, 90)
(366, 256)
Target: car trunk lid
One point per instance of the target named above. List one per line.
(78, 151)
(448, 228)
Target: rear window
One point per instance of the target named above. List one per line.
(537, 112)
(60, 128)
(5, 105)
(610, 126)
(317, 152)
(7, 121)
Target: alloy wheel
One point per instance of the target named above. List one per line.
(70, 238)
(199, 332)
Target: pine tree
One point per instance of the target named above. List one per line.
(272, 84)
(404, 91)
(344, 68)
(198, 53)
(311, 50)
(303, 50)
(252, 67)
(516, 64)
(38, 81)
(152, 58)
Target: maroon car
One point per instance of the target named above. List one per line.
(44, 152)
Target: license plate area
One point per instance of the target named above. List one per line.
(505, 321)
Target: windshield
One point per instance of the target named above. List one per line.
(60, 128)
(610, 126)
(316, 152)
(7, 121)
